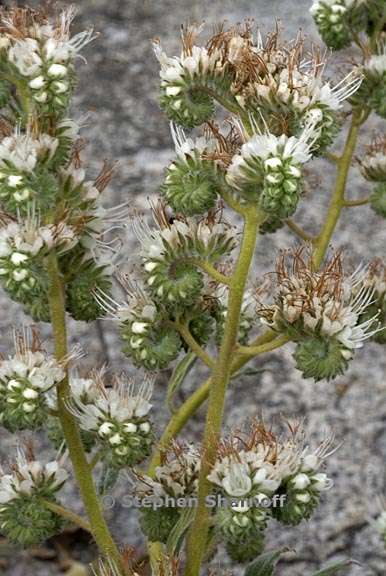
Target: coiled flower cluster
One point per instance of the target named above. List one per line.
(191, 181)
(273, 165)
(23, 246)
(176, 477)
(24, 174)
(375, 279)
(322, 311)
(119, 418)
(373, 89)
(266, 78)
(186, 81)
(40, 54)
(24, 517)
(26, 379)
(254, 467)
(373, 168)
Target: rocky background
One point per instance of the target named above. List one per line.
(118, 87)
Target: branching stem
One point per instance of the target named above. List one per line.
(70, 427)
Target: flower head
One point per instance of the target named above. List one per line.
(119, 416)
(21, 491)
(177, 476)
(326, 302)
(373, 163)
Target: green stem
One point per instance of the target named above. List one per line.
(82, 471)
(299, 231)
(193, 344)
(68, 515)
(212, 271)
(262, 348)
(197, 538)
(353, 203)
(337, 201)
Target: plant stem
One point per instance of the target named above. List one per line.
(337, 201)
(262, 348)
(353, 203)
(197, 538)
(82, 471)
(299, 231)
(193, 344)
(212, 271)
(68, 515)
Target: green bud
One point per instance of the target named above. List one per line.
(152, 348)
(26, 521)
(191, 185)
(81, 303)
(158, 523)
(321, 358)
(378, 199)
(175, 284)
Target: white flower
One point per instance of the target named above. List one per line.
(270, 152)
(123, 403)
(23, 150)
(24, 54)
(326, 300)
(177, 476)
(29, 477)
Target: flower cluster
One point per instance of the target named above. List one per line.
(24, 517)
(373, 89)
(83, 389)
(340, 21)
(119, 417)
(191, 181)
(375, 279)
(26, 378)
(23, 170)
(40, 54)
(255, 466)
(23, 247)
(169, 249)
(322, 311)
(187, 80)
(273, 164)
(267, 79)
(176, 477)
(373, 168)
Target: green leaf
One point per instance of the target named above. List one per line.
(248, 372)
(176, 536)
(179, 374)
(334, 568)
(108, 478)
(265, 564)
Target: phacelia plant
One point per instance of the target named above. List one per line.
(248, 115)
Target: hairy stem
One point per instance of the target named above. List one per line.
(193, 344)
(337, 200)
(262, 348)
(67, 514)
(212, 271)
(198, 533)
(71, 431)
(299, 231)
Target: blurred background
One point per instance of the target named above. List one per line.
(119, 89)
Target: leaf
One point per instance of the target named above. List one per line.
(334, 568)
(265, 564)
(176, 536)
(248, 372)
(179, 374)
(108, 478)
